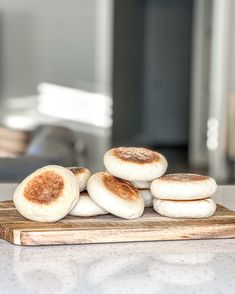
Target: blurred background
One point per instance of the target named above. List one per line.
(78, 77)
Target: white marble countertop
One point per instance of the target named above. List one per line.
(198, 266)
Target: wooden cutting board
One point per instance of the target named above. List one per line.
(103, 229)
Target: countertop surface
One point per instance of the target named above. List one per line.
(198, 266)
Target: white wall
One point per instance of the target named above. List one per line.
(59, 41)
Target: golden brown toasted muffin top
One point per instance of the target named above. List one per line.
(120, 187)
(184, 177)
(44, 188)
(77, 170)
(136, 155)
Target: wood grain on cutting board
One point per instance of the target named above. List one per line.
(108, 228)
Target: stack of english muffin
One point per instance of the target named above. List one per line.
(132, 177)
(124, 190)
(184, 195)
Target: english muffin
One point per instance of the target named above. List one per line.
(185, 209)
(82, 174)
(47, 195)
(135, 164)
(183, 187)
(115, 195)
(147, 197)
(86, 206)
(141, 184)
